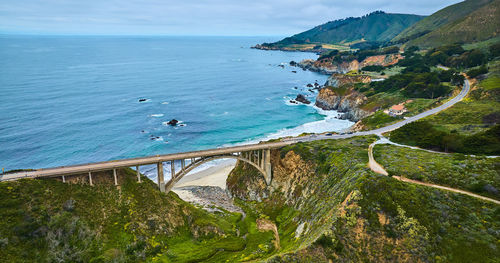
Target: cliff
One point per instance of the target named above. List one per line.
(329, 66)
(340, 80)
(345, 100)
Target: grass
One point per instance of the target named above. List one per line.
(378, 120)
(491, 83)
(480, 175)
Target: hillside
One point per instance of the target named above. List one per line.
(374, 27)
(446, 15)
(466, 22)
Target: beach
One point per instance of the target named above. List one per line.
(207, 188)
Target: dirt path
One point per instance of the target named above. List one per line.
(266, 225)
(376, 167)
(403, 179)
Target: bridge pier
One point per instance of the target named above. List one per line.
(161, 179)
(114, 175)
(138, 173)
(90, 178)
(267, 166)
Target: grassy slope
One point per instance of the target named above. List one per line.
(373, 27)
(442, 17)
(480, 175)
(133, 223)
(479, 25)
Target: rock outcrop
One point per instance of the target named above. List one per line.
(348, 102)
(339, 80)
(301, 98)
(328, 66)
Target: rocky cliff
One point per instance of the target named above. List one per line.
(328, 66)
(340, 80)
(345, 100)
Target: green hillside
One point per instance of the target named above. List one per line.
(377, 26)
(466, 22)
(449, 14)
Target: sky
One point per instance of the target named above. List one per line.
(191, 17)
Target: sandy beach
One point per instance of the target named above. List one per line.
(207, 188)
(212, 176)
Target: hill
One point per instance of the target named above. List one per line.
(374, 27)
(466, 22)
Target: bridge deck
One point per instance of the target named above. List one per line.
(108, 165)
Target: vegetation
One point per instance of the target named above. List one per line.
(446, 15)
(375, 27)
(51, 221)
(480, 175)
(378, 119)
(424, 134)
(465, 22)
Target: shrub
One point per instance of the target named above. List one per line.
(477, 71)
(374, 68)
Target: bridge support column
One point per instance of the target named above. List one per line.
(64, 179)
(267, 166)
(90, 178)
(183, 164)
(161, 180)
(114, 175)
(172, 169)
(138, 173)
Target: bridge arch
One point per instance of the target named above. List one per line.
(197, 162)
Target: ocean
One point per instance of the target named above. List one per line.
(76, 99)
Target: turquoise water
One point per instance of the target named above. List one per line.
(69, 100)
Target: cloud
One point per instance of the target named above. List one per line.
(191, 17)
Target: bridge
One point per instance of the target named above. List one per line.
(257, 155)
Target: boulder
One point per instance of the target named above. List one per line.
(303, 99)
(173, 122)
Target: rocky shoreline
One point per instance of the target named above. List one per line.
(210, 198)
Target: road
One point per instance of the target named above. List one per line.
(100, 166)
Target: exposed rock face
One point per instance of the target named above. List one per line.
(339, 80)
(381, 60)
(348, 103)
(291, 177)
(328, 66)
(303, 99)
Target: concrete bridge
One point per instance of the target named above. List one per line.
(257, 155)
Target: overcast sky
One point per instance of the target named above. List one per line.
(191, 17)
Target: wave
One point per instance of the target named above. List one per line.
(156, 115)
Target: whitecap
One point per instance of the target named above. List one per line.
(165, 103)
(156, 115)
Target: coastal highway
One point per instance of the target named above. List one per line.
(109, 165)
